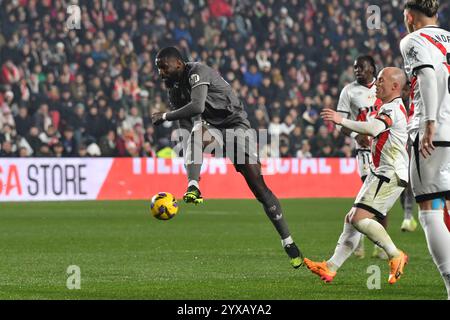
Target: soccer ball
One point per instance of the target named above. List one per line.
(164, 206)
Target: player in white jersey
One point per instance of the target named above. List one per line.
(358, 100)
(426, 53)
(384, 183)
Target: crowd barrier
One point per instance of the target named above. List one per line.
(56, 179)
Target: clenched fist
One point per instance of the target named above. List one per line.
(158, 118)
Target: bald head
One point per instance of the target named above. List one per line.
(390, 83)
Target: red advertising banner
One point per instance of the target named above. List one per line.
(139, 178)
(52, 179)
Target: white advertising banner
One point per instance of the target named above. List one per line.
(43, 179)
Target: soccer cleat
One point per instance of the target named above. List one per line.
(294, 254)
(321, 269)
(409, 225)
(379, 253)
(396, 266)
(193, 195)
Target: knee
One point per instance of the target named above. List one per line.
(265, 196)
(262, 195)
(426, 205)
(349, 217)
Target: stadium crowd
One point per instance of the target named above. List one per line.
(90, 91)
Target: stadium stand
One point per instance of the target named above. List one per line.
(90, 92)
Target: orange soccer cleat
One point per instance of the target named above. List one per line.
(397, 265)
(321, 269)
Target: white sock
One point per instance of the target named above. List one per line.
(287, 241)
(345, 246)
(361, 241)
(194, 183)
(438, 240)
(377, 234)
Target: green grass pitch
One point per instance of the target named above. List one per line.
(223, 249)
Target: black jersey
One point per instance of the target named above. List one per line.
(223, 109)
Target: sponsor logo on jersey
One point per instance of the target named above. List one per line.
(193, 79)
(412, 54)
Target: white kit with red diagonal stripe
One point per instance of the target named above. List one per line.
(429, 47)
(389, 147)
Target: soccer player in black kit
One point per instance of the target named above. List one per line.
(198, 92)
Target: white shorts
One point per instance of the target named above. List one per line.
(378, 194)
(364, 157)
(430, 177)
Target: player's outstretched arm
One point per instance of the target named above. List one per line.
(193, 108)
(372, 128)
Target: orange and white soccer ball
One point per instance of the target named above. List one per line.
(164, 206)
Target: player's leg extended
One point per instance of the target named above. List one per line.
(347, 243)
(193, 161)
(272, 207)
(376, 197)
(364, 159)
(378, 252)
(350, 241)
(364, 222)
(430, 183)
(359, 221)
(433, 216)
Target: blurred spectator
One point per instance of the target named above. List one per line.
(296, 139)
(93, 150)
(33, 139)
(44, 151)
(50, 136)
(95, 125)
(23, 121)
(326, 151)
(82, 151)
(58, 150)
(7, 149)
(107, 144)
(69, 143)
(285, 151)
(252, 77)
(305, 151)
(275, 127)
(6, 116)
(320, 141)
(287, 126)
(23, 152)
(41, 118)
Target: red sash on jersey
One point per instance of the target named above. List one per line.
(438, 45)
(383, 137)
(371, 111)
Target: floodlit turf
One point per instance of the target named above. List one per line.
(223, 249)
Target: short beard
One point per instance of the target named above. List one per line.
(169, 83)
